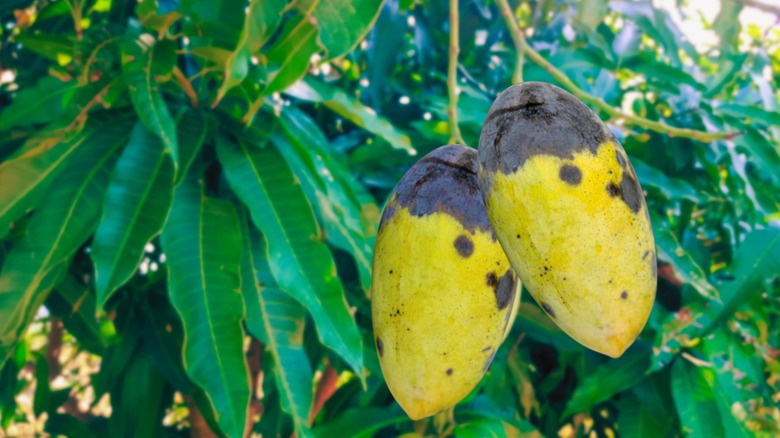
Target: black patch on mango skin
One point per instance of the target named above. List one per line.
(613, 190)
(631, 193)
(620, 159)
(505, 290)
(537, 118)
(445, 181)
(464, 245)
(644, 256)
(570, 174)
(492, 280)
(449, 371)
(624, 295)
(548, 308)
(380, 347)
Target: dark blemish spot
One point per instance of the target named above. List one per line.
(613, 190)
(445, 181)
(391, 271)
(620, 159)
(486, 348)
(444, 354)
(492, 280)
(449, 372)
(570, 174)
(488, 361)
(644, 256)
(631, 192)
(504, 290)
(464, 245)
(518, 236)
(547, 308)
(624, 295)
(380, 347)
(408, 329)
(536, 118)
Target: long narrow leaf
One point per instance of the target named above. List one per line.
(66, 218)
(202, 244)
(300, 262)
(278, 320)
(138, 202)
(138, 57)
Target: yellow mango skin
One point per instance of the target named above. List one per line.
(439, 307)
(573, 222)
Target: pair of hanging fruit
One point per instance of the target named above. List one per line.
(550, 200)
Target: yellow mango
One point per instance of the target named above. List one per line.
(570, 214)
(442, 289)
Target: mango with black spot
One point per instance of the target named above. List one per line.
(569, 212)
(442, 290)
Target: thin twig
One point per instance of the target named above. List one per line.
(452, 76)
(186, 85)
(517, 38)
(522, 45)
(772, 9)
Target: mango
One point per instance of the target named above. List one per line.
(442, 290)
(570, 214)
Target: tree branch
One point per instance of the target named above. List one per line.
(452, 76)
(772, 9)
(522, 45)
(517, 39)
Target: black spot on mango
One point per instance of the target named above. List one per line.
(464, 245)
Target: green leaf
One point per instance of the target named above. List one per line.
(202, 244)
(686, 268)
(752, 113)
(670, 188)
(590, 13)
(302, 265)
(138, 58)
(40, 103)
(163, 338)
(610, 378)
(763, 153)
(278, 321)
(139, 199)
(636, 420)
(348, 213)
(344, 23)
(262, 17)
(695, 401)
(138, 403)
(361, 422)
(289, 57)
(67, 217)
(58, 48)
(757, 259)
(263, 21)
(352, 110)
(150, 17)
(74, 304)
(191, 129)
(25, 178)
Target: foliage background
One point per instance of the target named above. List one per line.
(189, 193)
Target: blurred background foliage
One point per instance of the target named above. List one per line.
(190, 189)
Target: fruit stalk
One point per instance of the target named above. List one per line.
(452, 76)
